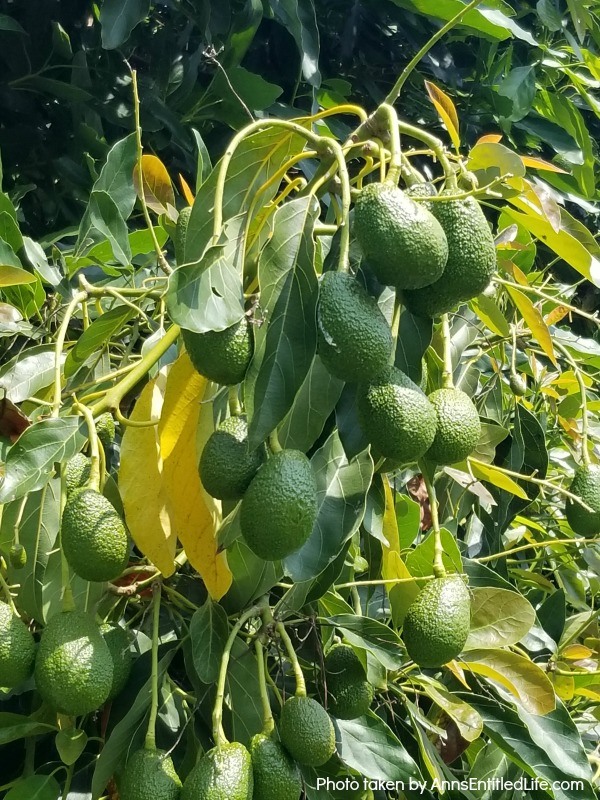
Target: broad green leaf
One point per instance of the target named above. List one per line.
(251, 576)
(9, 231)
(209, 630)
(490, 474)
(118, 18)
(447, 111)
(519, 87)
(39, 261)
(243, 688)
(534, 321)
(140, 241)
(419, 561)
(94, 338)
(285, 342)
(393, 566)
(70, 744)
(468, 720)
(499, 618)
(17, 726)
(490, 314)
(414, 337)
(157, 187)
(24, 375)
(106, 218)
(496, 158)
(299, 18)
(8, 258)
(371, 635)
(35, 787)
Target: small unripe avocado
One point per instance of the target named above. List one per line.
(17, 556)
(279, 508)
(77, 472)
(396, 416)
(224, 773)
(585, 484)
(402, 241)
(458, 426)
(149, 775)
(227, 465)
(276, 776)
(106, 429)
(437, 622)
(17, 649)
(221, 356)
(518, 384)
(73, 667)
(355, 340)
(93, 536)
(118, 643)
(350, 693)
(306, 731)
(183, 220)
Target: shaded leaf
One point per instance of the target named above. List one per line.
(118, 18)
(209, 630)
(93, 339)
(371, 635)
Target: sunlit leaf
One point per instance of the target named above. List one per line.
(446, 109)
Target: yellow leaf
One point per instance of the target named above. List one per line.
(492, 475)
(15, 276)
(534, 320)
(468, 720)
(558, 313)
(574, 652)
(446, 109)
(401, 594)
(141, 483)
(489, 138)
(158, 190)
(187, 192)
(564, 686)
(194, 522)
(538, 163)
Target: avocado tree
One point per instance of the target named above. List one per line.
(300, 487)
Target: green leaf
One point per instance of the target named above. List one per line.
(209, 630)
(14, 276)
(499, 618)
(285, 342)
(9, 231)
(118, 18)
(94, 338)
(490, 314)
(17, 726)
(243, 688)
(495, 159)
(299, 18)
(419, 561)
(371, 635)
(342, 487)
(252, 576)
(106, 218)
(414, 337)
(489, 473)
(494, 24)
(518, 86)
(238, 83)
(70, 744)
(25, 374)
(35, 787)
(468, 720)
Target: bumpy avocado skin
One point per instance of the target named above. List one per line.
(77, 472)
(183, 220)
(585, 484)
(17, 649)
(350, 693)
(118, 643)
(458, 426)
(106, 429)
(437, 622)
(149, 775)
(402, 241)
(355, 341)
(73, 667)
(221, 356)
(94, 538)
(227, 465)
(396, 416)
(224, 773)
(276, 776)
(306, 731)
(279, 508)
(471, 259)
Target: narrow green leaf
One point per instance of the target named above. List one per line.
(93, 339)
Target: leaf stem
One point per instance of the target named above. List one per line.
(533, 545)
(150, 741)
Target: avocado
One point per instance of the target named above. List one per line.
(17, 556)
(471, 259)
(348, 689)
(306, 731)
(17, 648)
(585, 484)
(77, 472)
(276, 776)
(402, 241)
(227, 465)
(396, 416)
(458, 426)
(106, 429)
(279, 508)
(437, 622)
(73, 667)
(224, 773)
(118, 643)
(355, 341)
(93, 536)
(518, 384)
(183, 220)
(149, 775)
(221, 356)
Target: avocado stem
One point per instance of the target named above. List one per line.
(274, 443)
(298, 674)
(150, 741)
(395, 167)
(436, 146)
(235, 407)
(6, 592)
(396, 323)
(94, 479)
(447, 378)
(61, 336)
(68, 601)
(585, 455)
(439, 570)
(268, 723)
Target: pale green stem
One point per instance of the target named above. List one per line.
(78, 298)
(550, 298)
(533, 545)
(6, 592)
(235, 407)
(436, 145)
(274, 444)
(298, 674)
(439, 570)
(268, 723)
(150, 741)
(447, 377)
(94, 479)
(395, 166)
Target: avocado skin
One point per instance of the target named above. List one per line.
(93, 536)
(471, 259)
(437, 622)
(585, 484)
(276, 776)
(118, 643)
(279, 508)
(355, 341)
(149, 775)
(77, 472)
(221, 356)
(183, 220)
(17, 649)
(73, 667)
(350, 693)
(306, 731)
(227, 465)
(224, 773)
(458, 426)
(402, 241)
(106, 429)
(396, 416)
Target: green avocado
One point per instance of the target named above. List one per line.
(221, 356)
(585, 484)
(306, 731)
(149, 775)
(350, 693)
(73, 666)
(17, 556)
(17, 649)
(276, 776)
(183, 220)
(227, 465)
(402, 241)
(396, 416)
(471, 259)
(106, 429)
(458, 426)
(77, 472)
(279, 508)
(355, 341)
(518, 384)
(93, 536)
(118, 643)
(437, 622)
(224, 773)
